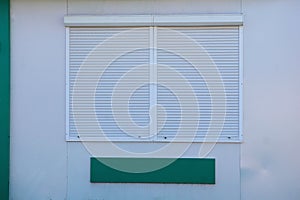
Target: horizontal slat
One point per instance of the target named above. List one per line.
(91, 91)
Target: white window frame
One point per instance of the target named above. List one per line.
(157, 20)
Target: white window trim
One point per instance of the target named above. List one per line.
(241, 82)
(67, 87)
(157, 20)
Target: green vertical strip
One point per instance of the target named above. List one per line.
(4, 97)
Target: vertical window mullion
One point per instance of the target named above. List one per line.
(155, 78)
(153, 83)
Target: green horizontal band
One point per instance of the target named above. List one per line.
(181, 171)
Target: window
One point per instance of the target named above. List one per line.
(154, 78)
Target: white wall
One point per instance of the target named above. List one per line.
(38, 150)
(270, 158)
(109, 7)
(228, 180)
(44, 166)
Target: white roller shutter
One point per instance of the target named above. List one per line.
(154, 83)
(98, 59)
(208, 59)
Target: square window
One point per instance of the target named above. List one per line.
(152, 79)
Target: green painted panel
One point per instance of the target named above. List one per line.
(181, 171)
(4, 97)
